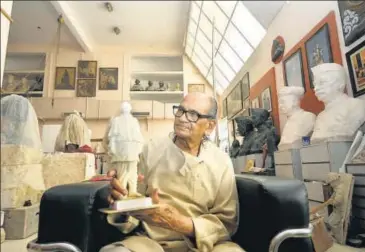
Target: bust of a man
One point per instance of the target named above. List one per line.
(137, 86)
(150, 86)
(245, 128)
(299, 122)
(343, 115)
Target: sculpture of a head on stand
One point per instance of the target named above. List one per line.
(289, 99)
(329, 81)
(259, 116)
(244, 125)
(126, 108)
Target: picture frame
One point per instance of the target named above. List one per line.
(355, 59)
(23, 83)
(196, 88)
(255, 103)
(234, 101)
(108, 78)
(86, 88)
(65, 78)
(293, 70)
(245, 86)
(352, 15)
(318, 50)
(266, 101)
(86, 69)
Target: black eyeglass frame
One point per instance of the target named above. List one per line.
(177, 108)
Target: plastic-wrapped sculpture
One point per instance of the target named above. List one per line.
(73, 131)
(124, 141)
(343, 115)
(299, 122)
(21, 153)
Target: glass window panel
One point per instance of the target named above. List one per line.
(211, 9)
(231, 57)
(203, 41)
(219, 78)
(238, 43)
(188, 50)
(224, 67)
(248, 25)
(206, 26)
(199, 64)
(199, 3)
(192, 27)
(227, 6)
(195, 11)
(190, 40)
(205, 58)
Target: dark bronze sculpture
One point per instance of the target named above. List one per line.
(246, 129)
(235, 149)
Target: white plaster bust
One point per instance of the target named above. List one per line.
(299, 123)
(343, 115)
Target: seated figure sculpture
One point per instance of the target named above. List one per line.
(124, 141)
(299, 123)
(245, 128)
(343, 115)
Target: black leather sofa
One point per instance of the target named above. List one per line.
(272, 211)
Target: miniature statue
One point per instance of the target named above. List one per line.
(343, 115)
(124, 141)
(150, 86)
(245, 128)
(235, 148)
(300, 123)
(161, 87)
(137, 86)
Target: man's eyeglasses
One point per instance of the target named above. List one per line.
(191, 115)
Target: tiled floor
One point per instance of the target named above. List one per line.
(21, 246)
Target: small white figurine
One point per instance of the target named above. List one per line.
(343, 115)
(299, 123)
(124, 142)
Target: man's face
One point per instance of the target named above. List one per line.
(186, 129)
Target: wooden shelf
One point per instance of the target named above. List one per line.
(162, 96)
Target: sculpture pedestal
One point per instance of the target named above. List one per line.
(320, 159)
(288, 164)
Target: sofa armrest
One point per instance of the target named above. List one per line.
(268, 206)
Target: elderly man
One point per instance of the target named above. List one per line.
(193, 182)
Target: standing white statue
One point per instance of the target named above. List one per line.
(124, 142)
(343, 115)
(299, 123)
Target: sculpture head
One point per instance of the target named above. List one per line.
(161, 84)
(329, 81)
(289, 99)
(126, 108)
(244, 125)
(150, 83)
(137, 82)
(235, 143)
(259, 116)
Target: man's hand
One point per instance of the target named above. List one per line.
(165, 216)
(116, 191)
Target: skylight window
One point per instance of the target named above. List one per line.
(237, 35)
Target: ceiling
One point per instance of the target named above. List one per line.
(28, 16)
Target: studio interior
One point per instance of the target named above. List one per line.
(182, 126)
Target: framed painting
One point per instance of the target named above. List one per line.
(318, 50)
(23, 83)
(65, 78)
(245, 86)
(108, 78)
(266, 99)
(356, 64)
(293, 70)
(352, 19)
(255, 103)
(234, 101)
(196, 88)
(86, 69)
(86, 88)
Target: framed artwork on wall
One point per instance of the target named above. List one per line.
(231, 133)
(356, 64)
(255, 103)
(318, 50)
(108, 78)
(234, 101)
(65, 78)
(352, 19)
(25, 84)
(196, 88)
(266, 99)
(245, 86)
(86, 88)
(293, 70)
(86, 69)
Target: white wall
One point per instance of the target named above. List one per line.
(5, 25)
(293, 22)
